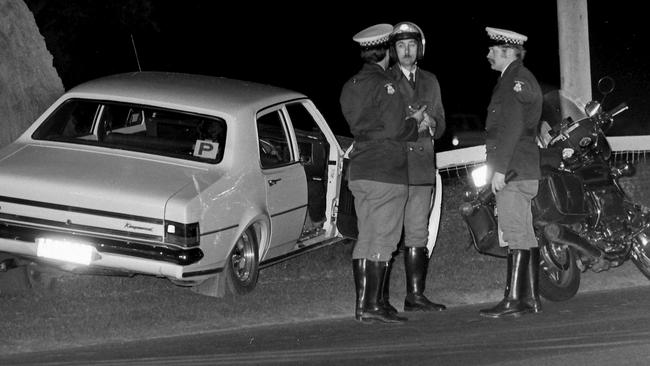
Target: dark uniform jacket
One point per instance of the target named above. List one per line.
(376, 114)
(421, 154)
(511, 125)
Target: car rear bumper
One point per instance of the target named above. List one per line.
(122, 255)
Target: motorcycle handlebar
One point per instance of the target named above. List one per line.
(618, 109)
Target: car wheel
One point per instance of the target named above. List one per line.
(242, 268)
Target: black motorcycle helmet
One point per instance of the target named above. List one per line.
(407, 30)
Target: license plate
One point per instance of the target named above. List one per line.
(65, 250)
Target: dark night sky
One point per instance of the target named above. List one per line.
(309, 49)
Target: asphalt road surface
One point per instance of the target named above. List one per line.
(597, 328)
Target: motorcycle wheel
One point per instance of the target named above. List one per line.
(641, 255)
(558, 283)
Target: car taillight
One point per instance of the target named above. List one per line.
(186, 235)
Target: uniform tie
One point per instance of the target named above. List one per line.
(412, 80)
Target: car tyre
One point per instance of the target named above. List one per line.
(242, 269)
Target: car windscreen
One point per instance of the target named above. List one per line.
(134, 127)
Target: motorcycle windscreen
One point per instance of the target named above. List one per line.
(557, 106)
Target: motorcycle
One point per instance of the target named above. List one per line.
(583, 219)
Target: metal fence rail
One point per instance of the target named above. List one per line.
(457, 163)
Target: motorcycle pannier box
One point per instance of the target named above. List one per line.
(483, 228)
(560, 199)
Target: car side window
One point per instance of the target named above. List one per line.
(311, 141)
(313, 150)
(301, 118)
(141, 128)
(274, 146)
(79, 120)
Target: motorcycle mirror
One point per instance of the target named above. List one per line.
(606, 85)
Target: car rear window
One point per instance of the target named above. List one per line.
(136, 128)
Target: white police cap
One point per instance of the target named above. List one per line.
(501, 37)
(374, 36)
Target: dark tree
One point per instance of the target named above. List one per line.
(90, 38)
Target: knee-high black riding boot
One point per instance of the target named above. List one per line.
(385, 290)
(416, 261)
(508, 274)
(359, 269)
(372, 308)
(512, 304)
(530, 294)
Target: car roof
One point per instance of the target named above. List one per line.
(198, 91)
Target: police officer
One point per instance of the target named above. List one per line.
(376, 115)
(513, 114)
(418, 88)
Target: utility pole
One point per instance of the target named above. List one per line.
(575, 66)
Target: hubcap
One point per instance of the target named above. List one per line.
(242, 259)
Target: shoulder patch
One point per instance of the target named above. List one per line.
(518, 86)
(389, 88)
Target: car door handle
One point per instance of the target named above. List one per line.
(272, 182)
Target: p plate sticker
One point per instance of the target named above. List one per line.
(206, 149)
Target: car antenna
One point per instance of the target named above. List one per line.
(135, 50)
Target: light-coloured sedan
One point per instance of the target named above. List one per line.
(197, 179)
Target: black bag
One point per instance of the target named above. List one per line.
(560, 199)
(484, 230)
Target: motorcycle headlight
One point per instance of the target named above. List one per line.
(479, 176)
(592, 108)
